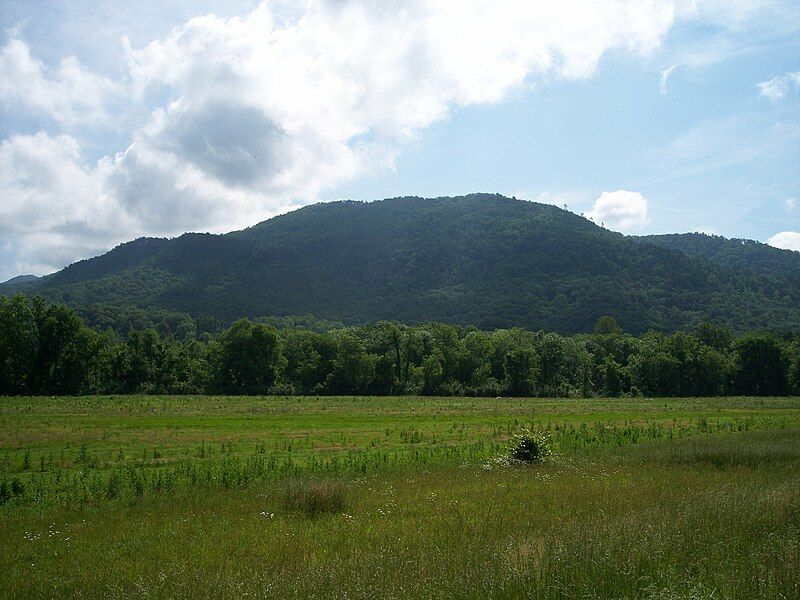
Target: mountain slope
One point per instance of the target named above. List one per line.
(479, 259)
(20, 279)
(737, 253)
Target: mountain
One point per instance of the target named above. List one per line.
(748, 255)
(480, 259)
(20, 279)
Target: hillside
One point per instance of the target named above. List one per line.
(481, 259)
(20, 279)
(748, 255)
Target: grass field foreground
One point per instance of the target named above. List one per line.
(365, 497)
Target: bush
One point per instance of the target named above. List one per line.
(315, 497)
(527, 447)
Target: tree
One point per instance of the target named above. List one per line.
(475, 365)
(18, 345)
(520, 370)
(794, 368)
(250, 358)
(607, 325)
(432, 372)
(611, 374)
(714, 336)
(760, 365)
(353, 368)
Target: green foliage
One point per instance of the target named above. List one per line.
(47, 349)
(794, 368)
(748, 256)
(314, 498)
(481, 259)
(528, 447)
(250, 358)
(607, 325)
(519, 366)
(761, 366)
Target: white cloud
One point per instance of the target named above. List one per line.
(722, 142)
(787, 240)
(664, 77)
(68, 94)
(780, 85)
(251, 115)
(54, 208)
(622, 209)
(791, 204)
(259, 113)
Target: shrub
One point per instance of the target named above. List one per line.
(315, 497)
(527, 447)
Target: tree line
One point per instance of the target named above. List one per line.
(48, 349)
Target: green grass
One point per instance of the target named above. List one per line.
(390, 497)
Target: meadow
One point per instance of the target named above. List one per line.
(398, 497)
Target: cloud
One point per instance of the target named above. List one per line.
(723, 142)
(664, 77)
(622, 209)
(733, 29)
(67, 94)
(254, 114)
(54, 208)
(779, 86)
(786, 240)
(791, 204)
(239, 119)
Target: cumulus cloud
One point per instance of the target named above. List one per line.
(54, 208)
(780, 85)
(786, 240)
(249, 116)
(262, 112)
(623, 210)
(67, 94)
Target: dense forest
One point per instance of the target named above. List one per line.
(743, 254)
(48, 349)
(482, 260)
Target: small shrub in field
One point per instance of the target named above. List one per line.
(529, 447)
(316, 497)
(525, 448)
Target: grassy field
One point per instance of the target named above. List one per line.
(393, 497)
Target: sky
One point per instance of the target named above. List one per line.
(124, 119)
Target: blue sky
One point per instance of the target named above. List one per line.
(649, 117)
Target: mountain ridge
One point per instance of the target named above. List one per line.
(480, 259)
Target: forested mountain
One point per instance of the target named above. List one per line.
(737, 253)
(480, 259)
(20, 279)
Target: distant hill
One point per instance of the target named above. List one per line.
(481, 259)
(20, 279)
(737, 253)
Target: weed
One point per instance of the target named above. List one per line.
(314, 498)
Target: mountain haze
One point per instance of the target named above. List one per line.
(481, 259)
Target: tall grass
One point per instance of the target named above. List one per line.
(314, 498)
(632, 525)
(659, 503)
